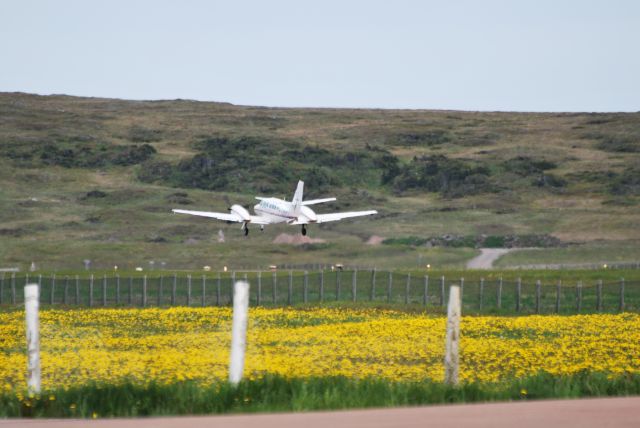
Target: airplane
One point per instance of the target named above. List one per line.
(275, 210)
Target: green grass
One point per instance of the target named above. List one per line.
(275, 393)
(594, 254)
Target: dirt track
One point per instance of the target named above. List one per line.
(588, 413)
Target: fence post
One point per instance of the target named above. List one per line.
(274, 280)
(290, 291)
(66, 290)
(218, 289)
(13, 288)
(91, 290)
(538, 294)
(425, 298)
(104, 290)
(481, 291)
(321, 285)
(621, 306)
(338, 280)
(372, 293)
(117, 289)
(599, 296)
(144, 291)
(305, 294)
(389, 286)
(53, 289)
(189, 290)
(160, 290)
(579, 296)
(259, 294)
(442, 291)
(174, 287)
(31, 303)
(233, 281)
(518, 293)
(407, 289)
(461, 292)
(558, 290)
(499, 296)
(453, 337)
(239, 330)
(354, 285)
(130, 293)
(77, 290)
(204, 291)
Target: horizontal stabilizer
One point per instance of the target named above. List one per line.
(318, 201)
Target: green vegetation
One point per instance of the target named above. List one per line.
(480, 241)
(267, 165)
(96, 179)
(274, 393)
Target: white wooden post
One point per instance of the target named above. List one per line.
(31, 303)
(239, 330)
(452, 343)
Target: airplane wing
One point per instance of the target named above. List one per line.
(217, 216)
(317, 201)
(324, 218)
(255, 219)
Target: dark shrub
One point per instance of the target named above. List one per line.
(626, 183)
(618, 144)
(450, 177)
(526, 166)
(550, 180)
(95, 194)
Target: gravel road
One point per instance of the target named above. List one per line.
(487, 257)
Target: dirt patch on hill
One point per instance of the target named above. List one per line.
(285, 238)
(375, 240)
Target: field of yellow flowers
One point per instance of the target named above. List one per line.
(166, 346)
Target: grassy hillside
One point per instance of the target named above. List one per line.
(85, 178)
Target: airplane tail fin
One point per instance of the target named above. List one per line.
(297, 196)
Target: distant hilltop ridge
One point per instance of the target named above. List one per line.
(218, 146)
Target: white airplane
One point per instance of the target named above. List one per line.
(274, 210)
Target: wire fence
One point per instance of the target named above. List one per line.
(294, 287)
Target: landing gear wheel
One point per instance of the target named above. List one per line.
(246, 231)
(304, 231)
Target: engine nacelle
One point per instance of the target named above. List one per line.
(308, 213)
(241, 212)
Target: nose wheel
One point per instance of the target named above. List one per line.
(304, 230)
(245, 229)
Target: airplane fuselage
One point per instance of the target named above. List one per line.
(276, 210)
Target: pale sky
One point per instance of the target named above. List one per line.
(543, 55)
